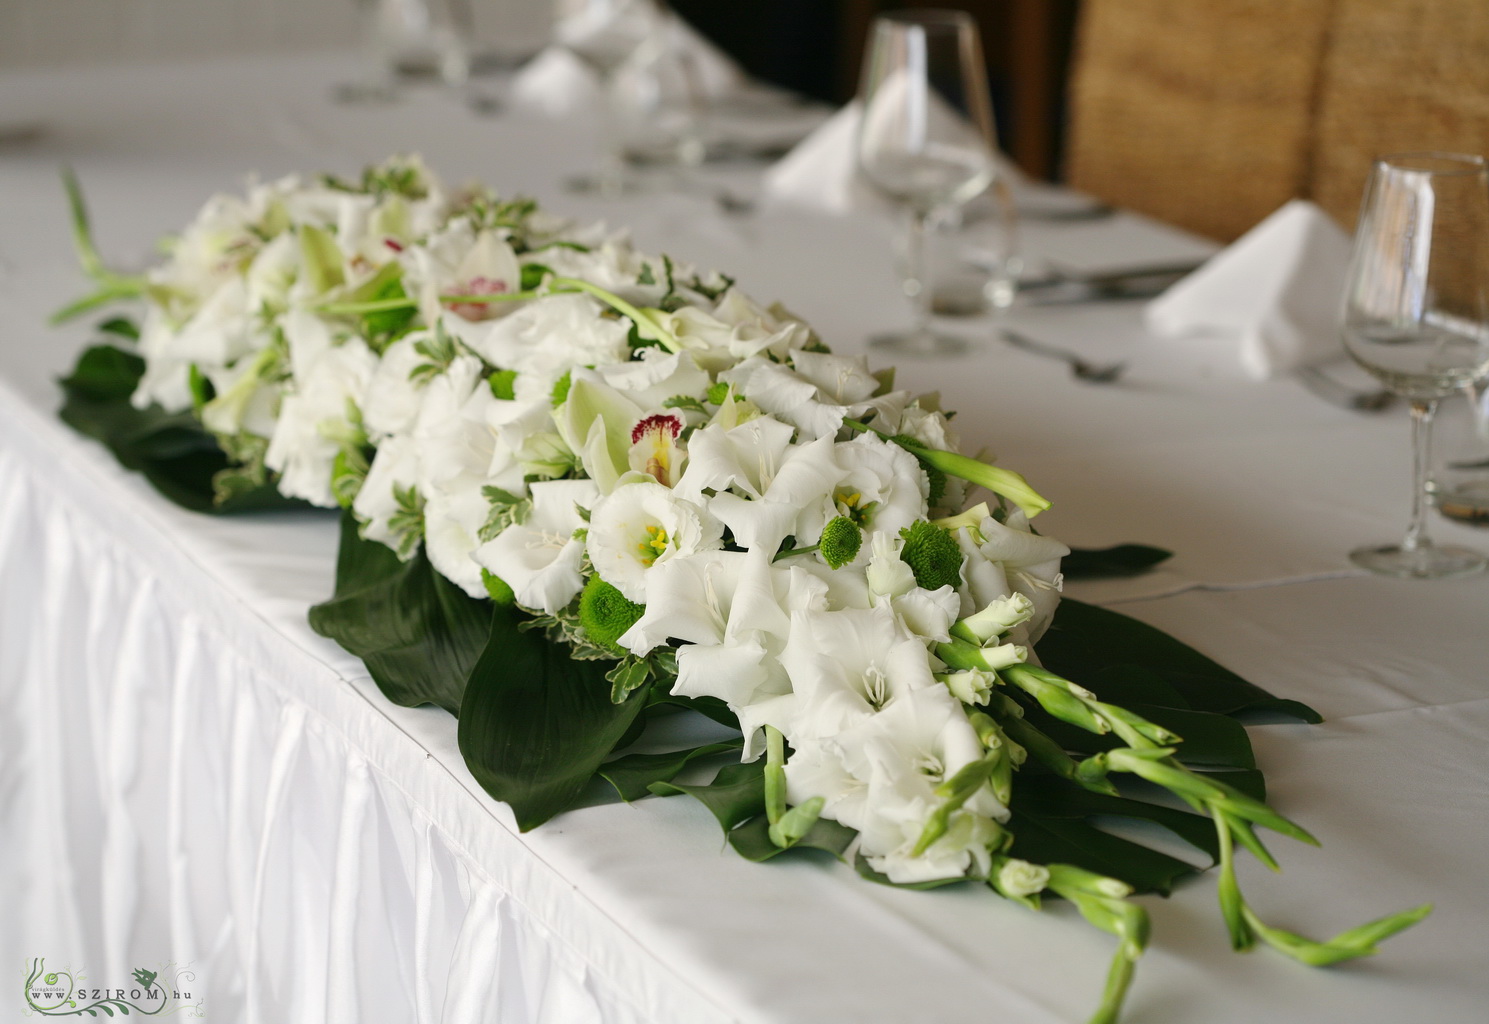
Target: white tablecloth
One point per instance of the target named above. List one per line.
(189, 774)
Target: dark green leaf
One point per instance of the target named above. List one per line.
(1050, 840)
(1085, 639)
(121, 326)
(171, 450)
(709, 707)
(1050, 797)
(1248, 780)
(535, 724)
(752, 839)
(632, 774)
(1106, 563)
(735, 795)
(418, 633)
(1209, 739)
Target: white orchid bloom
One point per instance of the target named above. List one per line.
(486, 266)
(816, 393)
(597, 423)
(641, 525)
(540, 557)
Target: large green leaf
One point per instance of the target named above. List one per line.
(1051, 797)
(171, 450)
(1106, 563)
(535, 724)
(752, 839)
(736, 794)
(418, 633)
(1084, 640)
(1045, 839)
(633, 774)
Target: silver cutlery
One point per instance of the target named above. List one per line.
(1323, 386)
(1080, 368)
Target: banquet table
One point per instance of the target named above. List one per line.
(190, 776)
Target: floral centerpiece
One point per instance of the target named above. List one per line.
(583, 485)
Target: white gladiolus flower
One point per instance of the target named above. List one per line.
(539, 558)
(849, 665)
(643, 524)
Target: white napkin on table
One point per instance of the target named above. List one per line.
(557, 82)
(1274, 292)
(821, 171)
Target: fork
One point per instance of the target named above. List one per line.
(1083, 370)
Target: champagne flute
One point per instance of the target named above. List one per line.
(1416, 316)
(925, 140)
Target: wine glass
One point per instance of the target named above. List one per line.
(925, 139)
(1416, 316)
(606, 35)
(409, 39)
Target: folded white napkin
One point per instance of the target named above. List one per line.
(1275, 292)
(821, 171)
(557, 82)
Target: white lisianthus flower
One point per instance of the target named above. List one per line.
(816, 393)
(548, 338)
(394, 468)
(641, 525)
(396, 393)
(314, 417)
(453, 517)
(927, 614)
(614, 265)
(540, 557)
(878, 485)
(217, 334)
(757, 330)
(656, 377)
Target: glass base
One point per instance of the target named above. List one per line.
(1467, 502)
(914, 343)
(606, 185)
(1424, 562)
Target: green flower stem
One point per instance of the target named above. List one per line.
(1103, 902)
(1046, 751)
(775, 775)
(1004, 482)
(645, 320)
(1058, 696)
(788, 552)
(112, 287)
(1246, 927)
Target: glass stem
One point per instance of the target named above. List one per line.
(917, 282)
(1422, 411)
